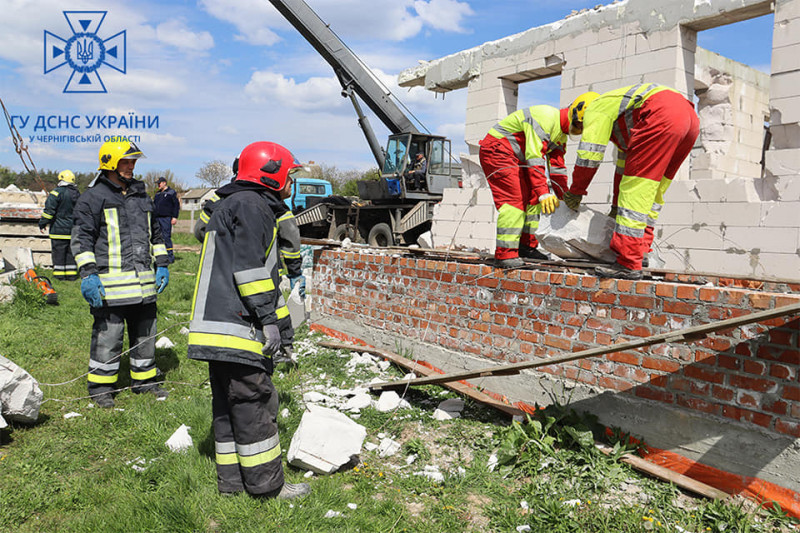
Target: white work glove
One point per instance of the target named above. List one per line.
(272, 340)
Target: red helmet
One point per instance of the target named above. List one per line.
(267, 164)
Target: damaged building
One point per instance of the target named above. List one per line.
(729, 236)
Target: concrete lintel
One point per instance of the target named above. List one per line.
(454, 71)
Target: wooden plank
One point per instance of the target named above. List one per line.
(690, 334)
(425, 371)
(665, 474)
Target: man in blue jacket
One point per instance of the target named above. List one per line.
(167, 209)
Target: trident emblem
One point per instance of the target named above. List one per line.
(85, 50)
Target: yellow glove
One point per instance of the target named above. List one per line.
(573, 201)
(549, 202)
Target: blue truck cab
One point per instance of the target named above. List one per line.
(305, 190)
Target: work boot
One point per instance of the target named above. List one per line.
(511, 262)
(533, 253)
(155, 389)
(291, 491)
(104, 400)
(615, 270)
(645, 262)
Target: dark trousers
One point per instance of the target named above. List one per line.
(244, 405)
(165, 223)
(64, 266)
(108, 331)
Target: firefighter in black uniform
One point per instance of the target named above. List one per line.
(167, 209)
(235, 313)
(58, 214)
(116, 243)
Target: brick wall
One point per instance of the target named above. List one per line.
(750, 374)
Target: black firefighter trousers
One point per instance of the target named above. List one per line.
(245, 409)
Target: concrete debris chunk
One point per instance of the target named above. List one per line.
(389, 401)
(20, 395)
(524, 527)
(325, 440)
(72, 414)
(184, 331)
(297, 307)
(358, 402)
(370, 446)
(332, 514)
(3, 423)
(316, 397)
(438, 414)
(352, 506)
(432, 473)
(585, 234)
(180, 440)
(388, 447)
(425, 240)
(164, 343)
(452, 405)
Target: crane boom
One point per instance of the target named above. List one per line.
(352, 74)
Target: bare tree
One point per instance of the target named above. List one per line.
(214, 173)
(152, 175)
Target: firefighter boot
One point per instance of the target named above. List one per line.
(511, 262)
(291, 491)
(615, 270)
(154, 389)
(104, 400)
(533, 253)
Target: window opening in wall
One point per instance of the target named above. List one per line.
(539, 91)
(732, 68)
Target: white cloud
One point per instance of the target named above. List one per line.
(177, 34)
(313, 94)
(447, 15)
(253, 19)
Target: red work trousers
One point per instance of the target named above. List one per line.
(664, 131)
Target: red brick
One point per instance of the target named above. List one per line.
(791, 393)
(705, 358)
(689, 385)
(718, 344)
(781, 371)
(556, 279)
(654, 394)
(603, 339)
(679, 308)
(593, 323)
(729, 362)
(722, 393)
(613, 383)
(557, 342)
(755, 367)
(658, 319)
(660, 364)
(514, 286)
(745, 399)
(787, 427)
(698, 404)
(709, 295)
(636, 331)
(619, 313)
(754, 384)
(760, 301)
(777, 406)
(665, 290)
(588, 282)
(603, 297)
(627, 358)
(686, 292)
(704, 375)
(745, 415)
(644, 287)
(642, 302)
(571, 280)
(488, 282)
(657, 380)
(783, 337)
(624, 285)
(743, 348)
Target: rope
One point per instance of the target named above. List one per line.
(20, 147)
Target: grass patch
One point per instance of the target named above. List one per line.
(109, 470)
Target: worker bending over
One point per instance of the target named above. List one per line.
(517, 156)
(654, 128)
(234, 326)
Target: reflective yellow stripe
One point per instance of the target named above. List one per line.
(282, 312)
(114, 245)
(226, 459)
(85, 258)
(204, 217)
(291, 255)
(45, 215)
(159, 249)
(141, 376)
(217, 340)
(637, 194)
(54, 193)
(60, 237)
(261, 458)
(255, 287)
(197, 277)
(94, 378)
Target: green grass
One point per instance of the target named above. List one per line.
(78, 474)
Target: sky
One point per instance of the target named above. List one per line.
(220, 74)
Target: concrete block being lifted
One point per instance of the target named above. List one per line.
(582, 235)
(325, 440)
(20, 395)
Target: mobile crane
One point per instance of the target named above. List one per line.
(387, 212)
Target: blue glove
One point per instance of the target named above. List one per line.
(301, 279)
(92, 290)
(162, 278)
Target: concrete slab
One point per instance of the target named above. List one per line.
(325, 440)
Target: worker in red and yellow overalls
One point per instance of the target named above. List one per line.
(517, 155)
(654, 128)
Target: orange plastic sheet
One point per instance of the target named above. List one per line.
(754, 488)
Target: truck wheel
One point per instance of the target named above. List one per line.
(380, 235)
(344, 231)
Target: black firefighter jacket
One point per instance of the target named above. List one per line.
(237, 288)
(58, 210)
(116, 236)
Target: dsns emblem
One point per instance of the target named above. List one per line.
(84, 51)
